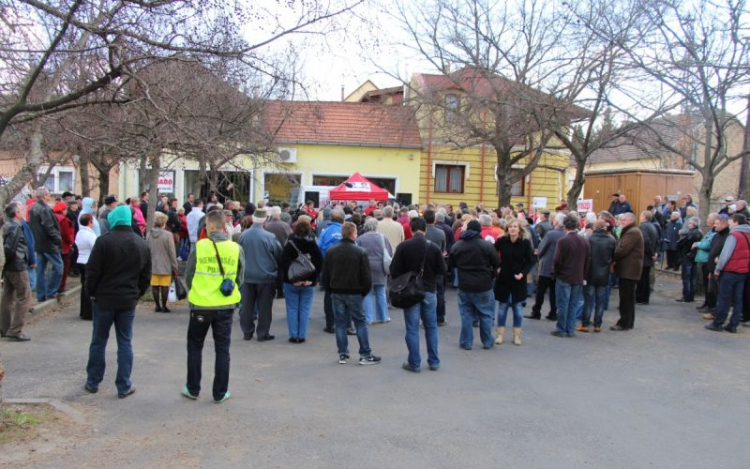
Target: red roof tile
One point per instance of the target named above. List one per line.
(337, 123)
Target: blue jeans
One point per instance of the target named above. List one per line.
(502, 313)
(532, 280)
(46, 288)
(476, 305)
(345, 309)
(32, 279)
(221, 323)
(426, 310)
(593, 300)
(103, 320)
(298, 307)
(731, 286)
(378, 291)
(567, 301)
(689, 278)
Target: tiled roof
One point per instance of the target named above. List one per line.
(339, 123)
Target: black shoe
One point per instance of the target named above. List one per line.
(248, 337)
(713, 327)
(127, 393)
(265, 338)
(330, 330)
(442, 323)
(157, 309)
(293, 340)
(351, 332)
(617, 328)
(407, 366)
(551, 317)
(300, 340)
(558, 334)
(641, 303)
(434, 367)
(90, 389)
(730, 328)
(682, 300)
(343, 358)
(166, 310)
(371, 360)
(533, 316)
(2, 334)
(701, 307)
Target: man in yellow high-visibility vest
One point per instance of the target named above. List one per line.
(213, 263)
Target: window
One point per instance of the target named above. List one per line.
(451, 107)
(60, 179)
(518, 188)
(327, 180)
(449, 178)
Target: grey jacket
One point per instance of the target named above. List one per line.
(163, 257)
(190, 268)
(547, 250)
(372, 242)
(437, 236)
(262, 255)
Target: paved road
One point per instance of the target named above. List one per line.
(666, 395)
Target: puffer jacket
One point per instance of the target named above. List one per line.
(46, 229)
(602, 246)
(18, 260)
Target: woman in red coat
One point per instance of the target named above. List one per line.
(68, 235)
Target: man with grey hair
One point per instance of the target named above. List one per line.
(262, 254)
(486, 222)
(546, 255)
(16, 287)
(391, 229)
(687, 255)
(48, 245)
(628, 266)
(282, 231)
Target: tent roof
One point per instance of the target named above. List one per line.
(357, 187)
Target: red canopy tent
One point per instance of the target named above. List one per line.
(357, 187)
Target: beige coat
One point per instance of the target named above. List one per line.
(393, 231)
(163, 255)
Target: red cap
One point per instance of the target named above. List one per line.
(60, 207)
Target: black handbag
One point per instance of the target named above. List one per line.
(407, 289)
(179, 288)
(301, 267)
(227, 285)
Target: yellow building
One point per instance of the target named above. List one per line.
(453, 171)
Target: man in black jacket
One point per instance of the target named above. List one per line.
(602, 247)
(421, 255)
(48, 245)
(16, 288)
(687, 259)
(117, 275)
(346, 274)
(476, 262)
(651, 241)
(717, 244)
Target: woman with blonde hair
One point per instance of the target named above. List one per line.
(163, 262)
(516, 259)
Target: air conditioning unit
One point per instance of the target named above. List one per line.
(287, 155)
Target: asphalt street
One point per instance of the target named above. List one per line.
(668, 394)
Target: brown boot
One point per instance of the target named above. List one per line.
(516, 336)
(500, 334)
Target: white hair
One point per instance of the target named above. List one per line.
(559, 218)
(590, 217)
(485, 220)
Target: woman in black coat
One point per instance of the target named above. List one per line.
(299, 294)
(516, 259)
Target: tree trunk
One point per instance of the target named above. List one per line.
(83, 163)
(142, 179)
(575, 190)
(153, 186)
(704, 203)
(103, 183)
(504, 182)
(28, 172)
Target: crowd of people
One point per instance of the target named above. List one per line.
(244, 257)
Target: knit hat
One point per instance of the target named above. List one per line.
(60, 207)
(121, 216)
(110, 199)
(474, 225)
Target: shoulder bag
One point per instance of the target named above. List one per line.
(407, 290)
(227, 285)
(301, 267)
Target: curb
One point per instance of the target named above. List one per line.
(49, 305)
(64, 408)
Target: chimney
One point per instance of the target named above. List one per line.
(342, 93)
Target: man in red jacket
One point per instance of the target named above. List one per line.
(67, 233)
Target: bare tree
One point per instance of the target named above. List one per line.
(55, 56)
(499, 64)
(697, 56)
